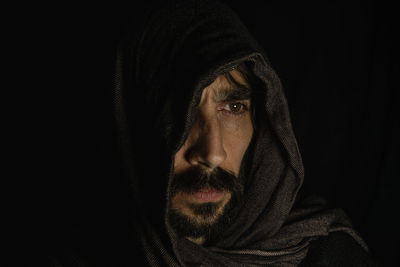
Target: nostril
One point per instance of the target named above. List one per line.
(204, 163)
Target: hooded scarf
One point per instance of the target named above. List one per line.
(162, 65)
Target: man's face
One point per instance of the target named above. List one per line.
(206, 182)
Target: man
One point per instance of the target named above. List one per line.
(206, 184)
(211, 167)
(214, 160)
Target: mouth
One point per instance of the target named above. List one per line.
(204, 195)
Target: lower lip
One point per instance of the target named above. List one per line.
(205, 195)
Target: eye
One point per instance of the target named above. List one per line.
(236, 108)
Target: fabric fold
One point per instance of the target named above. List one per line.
(161, 70)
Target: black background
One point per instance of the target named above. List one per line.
(338, 62)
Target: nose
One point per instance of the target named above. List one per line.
(208, 149)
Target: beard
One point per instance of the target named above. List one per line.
(207, 219)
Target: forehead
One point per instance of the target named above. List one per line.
(224, 90)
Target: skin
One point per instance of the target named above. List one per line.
(219, 137)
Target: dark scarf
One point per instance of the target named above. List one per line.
(161, 68)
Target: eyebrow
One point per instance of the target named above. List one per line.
(227, 94)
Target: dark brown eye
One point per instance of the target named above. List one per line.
(235, 107)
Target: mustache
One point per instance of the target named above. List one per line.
(195, 179)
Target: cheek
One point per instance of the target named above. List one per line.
(237, 135)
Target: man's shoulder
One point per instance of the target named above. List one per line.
(337, 249)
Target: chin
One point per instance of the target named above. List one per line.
(200, 212)
(200, 219)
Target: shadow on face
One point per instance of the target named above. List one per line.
(206, 182)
